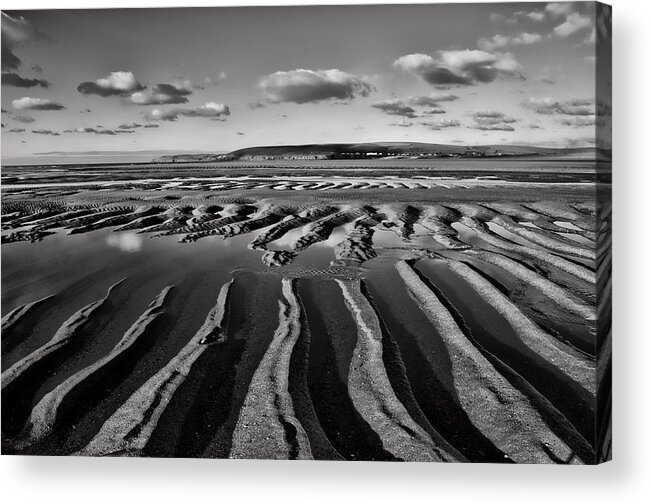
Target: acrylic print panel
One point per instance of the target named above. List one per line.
(366, 233)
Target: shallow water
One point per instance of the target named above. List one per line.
(31, 271)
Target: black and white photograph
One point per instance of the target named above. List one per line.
(340, 232)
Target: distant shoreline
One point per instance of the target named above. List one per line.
(509, 159)
(376, 151)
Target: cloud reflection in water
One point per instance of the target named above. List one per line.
(126, 242)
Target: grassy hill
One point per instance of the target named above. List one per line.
(375, 149)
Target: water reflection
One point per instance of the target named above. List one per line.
(127, 241)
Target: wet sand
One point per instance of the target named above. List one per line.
(393, 317)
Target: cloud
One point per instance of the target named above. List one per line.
(150, 126)
(189, 84)
(211, 110)
(163, 115)
(547, 80)
(536, 16)
(496, 17)
(491, 115)
(98, 131)
(16, 130)
(9, 60)
(604, 108)
(213, 81)
(115, 84)
(15, 30)
(24, 119)
(580, 142)
(45, 132)
(13, 79)
(163, 94)
(131, 125)
(492, 120)
(395, 107)
(535, 126)
(442, 124)
(578, 121)
(571, 107)
(432, 100)
(402, 108)
(258, 104)
(464, 67)
(27, 103)
(500, 41)
(576, 16)
(591, 38)
(559, 8)
(573, 23)
(403, 124)
(519, 16)
(308, 86)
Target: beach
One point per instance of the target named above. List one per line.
(419, 315)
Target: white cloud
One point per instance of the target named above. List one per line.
(120, 81)
(578, 121)
(432, 100)
(492, 120)
(574, 22)
(559, 8)
(520, 16)
(187, 85)
(500, 41)
(496, 17)
(442, 124)
(461, 67)
(306, 86)
(210, 110)
(211, 81)
(27, 103)
(571, 107)
(536, 16)
(115, 84)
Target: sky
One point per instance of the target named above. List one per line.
(217, 79)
